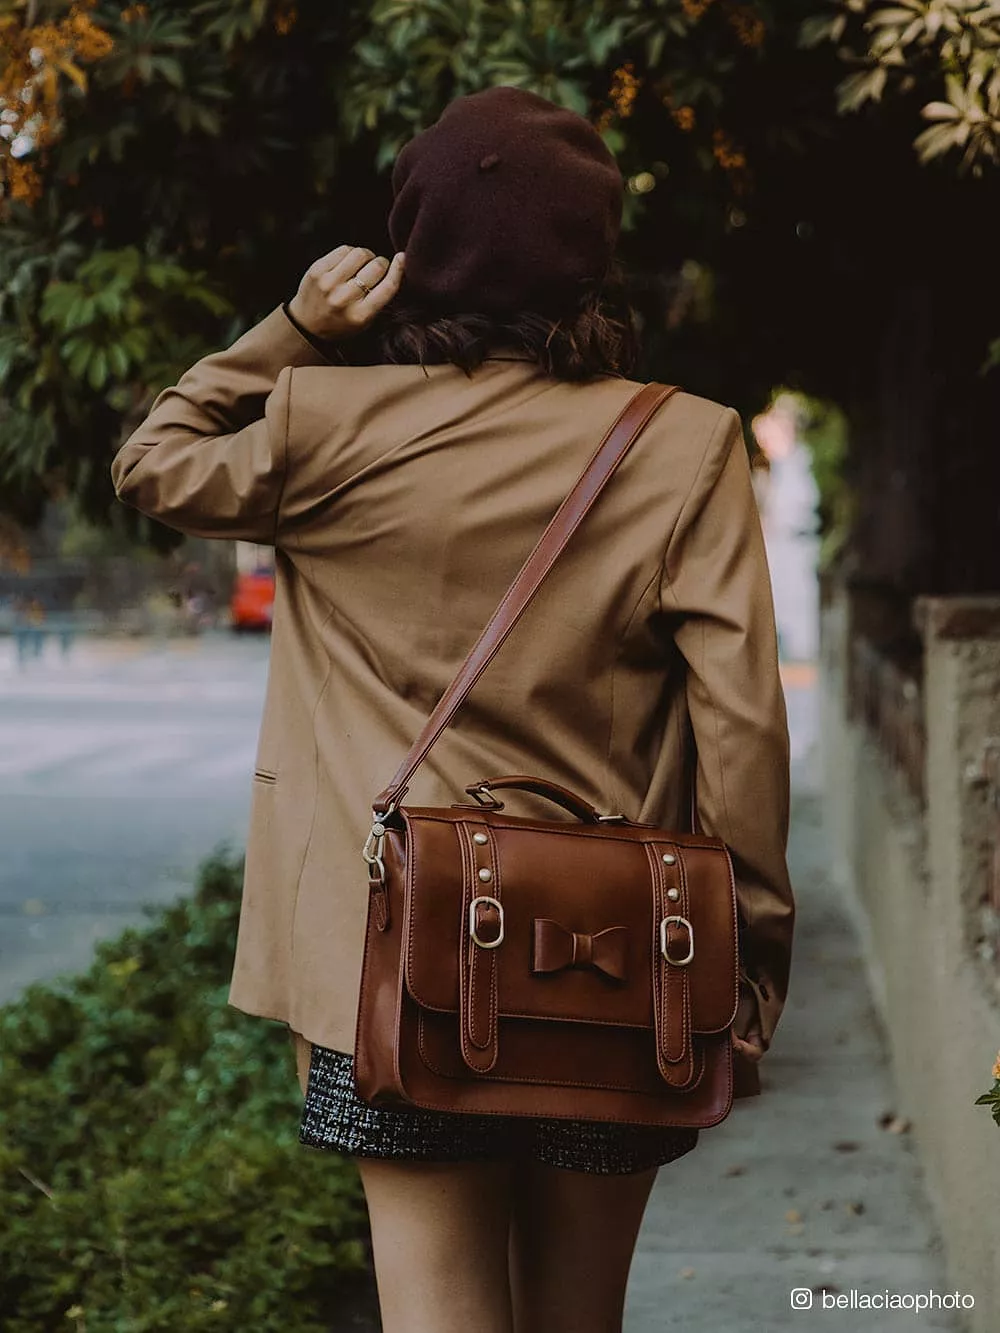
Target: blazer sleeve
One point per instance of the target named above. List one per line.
(716, 591)
(209, 460)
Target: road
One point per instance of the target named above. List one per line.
(120, 769)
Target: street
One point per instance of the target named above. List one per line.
(120, 769)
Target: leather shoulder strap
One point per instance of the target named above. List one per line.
(567, 518)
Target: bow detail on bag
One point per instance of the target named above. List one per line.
(556, 948)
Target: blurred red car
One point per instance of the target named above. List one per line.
(252, 602)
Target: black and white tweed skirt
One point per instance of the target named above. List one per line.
(335, 1118)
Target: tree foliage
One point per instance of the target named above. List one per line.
(947, 47)
(193, 169)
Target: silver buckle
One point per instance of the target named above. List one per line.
(484, 797)
(371, 852)
(677, 921)
(474, 933)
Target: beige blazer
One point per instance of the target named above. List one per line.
(400, 503)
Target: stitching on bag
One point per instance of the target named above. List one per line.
(678, 980)
(684, 980)
(653, 960)
(411, 875)
(663, 970)
(735, 931)
(646, 833)
(465, 961)
(687, 1037)
(428, 1060)
(435, 1068)
(494, 959)
(481, 961)
(429, 1063)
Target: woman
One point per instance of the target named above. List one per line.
(401, 498)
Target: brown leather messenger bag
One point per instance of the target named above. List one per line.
(582, 968)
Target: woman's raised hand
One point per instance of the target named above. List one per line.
(343, 291)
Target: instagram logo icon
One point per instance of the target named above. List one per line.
(801, 1298)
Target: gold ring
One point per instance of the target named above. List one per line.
(367, 290)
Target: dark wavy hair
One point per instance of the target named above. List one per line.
(598, 337)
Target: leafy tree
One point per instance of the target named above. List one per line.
(772, 239)
(914, 45)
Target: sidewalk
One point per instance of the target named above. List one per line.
(801, 1187)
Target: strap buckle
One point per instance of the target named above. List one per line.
(485, 901)
(664, 949)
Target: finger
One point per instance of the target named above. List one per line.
(346, 267)
(751, 1053)
(380, 296)
(372, 273)
(752, 1050)
(355, 289)
(327, 261)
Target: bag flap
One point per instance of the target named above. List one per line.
(592, 883)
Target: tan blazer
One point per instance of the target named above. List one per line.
(401, 503)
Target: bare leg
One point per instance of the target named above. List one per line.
(572, 1239)
(440, 1239)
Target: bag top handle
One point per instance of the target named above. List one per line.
(626, 428)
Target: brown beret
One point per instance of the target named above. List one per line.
(507, 203)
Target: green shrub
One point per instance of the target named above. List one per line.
(149, 1166)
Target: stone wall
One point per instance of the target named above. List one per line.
(917, 862)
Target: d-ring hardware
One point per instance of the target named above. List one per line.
(676, 921)
(473, 930)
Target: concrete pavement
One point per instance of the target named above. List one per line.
(802, 1187)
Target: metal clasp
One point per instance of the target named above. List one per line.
(677, 921)
(473, 930)
(484, 797)
(371, 852)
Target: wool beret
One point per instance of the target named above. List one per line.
(507, 203)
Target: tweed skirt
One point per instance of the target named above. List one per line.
(335, 1118)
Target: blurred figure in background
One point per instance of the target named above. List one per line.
(789, 515)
